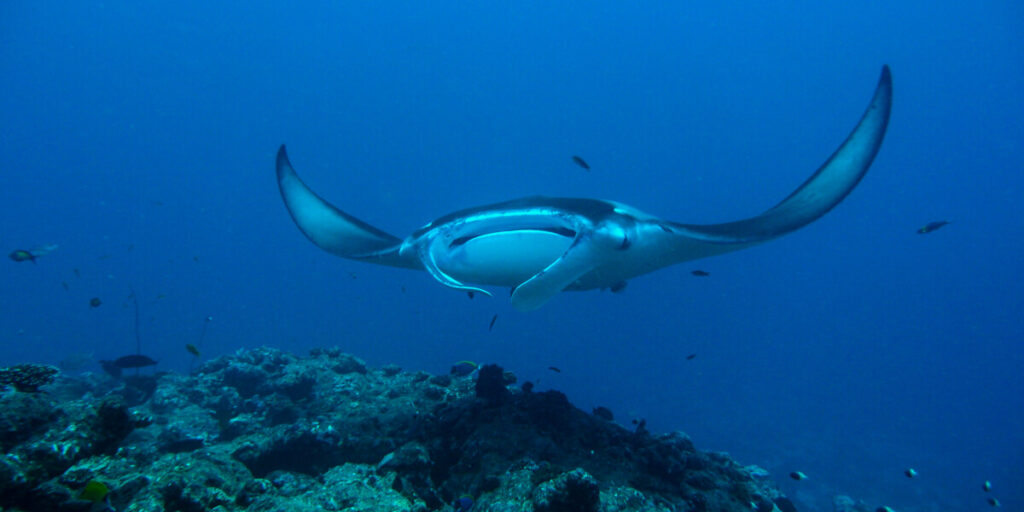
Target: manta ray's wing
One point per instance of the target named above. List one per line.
(819, 194)
(332, 229)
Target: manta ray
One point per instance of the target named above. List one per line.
(540, 246)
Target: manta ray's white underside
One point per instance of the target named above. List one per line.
(540, 246)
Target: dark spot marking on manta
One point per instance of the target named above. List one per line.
(462, 240)
(618, 287)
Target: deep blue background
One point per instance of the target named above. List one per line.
(140, 137)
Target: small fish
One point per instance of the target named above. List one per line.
(195, 259)
(160, 296)
(618, 287)
(994, 502)
(65, 285)
(463, 504)
(95, 302)
(691, 357)
(464, 368)
(910, 472)
(554, 369)
(932, 226)
(884, 509)
(192, 349)
(797, 475)
(20, 255)
(580, 162)
(471, 295)
(77, 272)
(700, 273)
(493, 319)
(94, 491)
(987, 486)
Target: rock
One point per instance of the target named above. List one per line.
(262, 430)
(575, 491)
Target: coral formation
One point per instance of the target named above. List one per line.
(27, 377)
(264, 430)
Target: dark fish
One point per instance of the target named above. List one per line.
(987, 486)
(192, 349)
(463, 504)
(95, 302)
(910, 472)
(134, 361)
(493, 319)
(23, 255)
(470, 294)
(700, 273)
(884, 509)
(77, 272)
(690, 357)
(195, 259)
(604, 413)
(20, 255)
(797, 475)
(618, 287)
(65, 285)
(994, 502)
(464, 368)
(580, 162)
(554, 369)
(932, 226)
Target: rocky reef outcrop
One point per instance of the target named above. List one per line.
(264, 430)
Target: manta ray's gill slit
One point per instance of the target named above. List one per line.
(566, 232)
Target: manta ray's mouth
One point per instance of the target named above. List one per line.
(561, 231)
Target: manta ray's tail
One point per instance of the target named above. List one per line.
(332, 229)
(833, 181)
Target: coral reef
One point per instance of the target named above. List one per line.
(27, 378)
(263, 430)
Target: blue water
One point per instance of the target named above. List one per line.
(140, 137)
